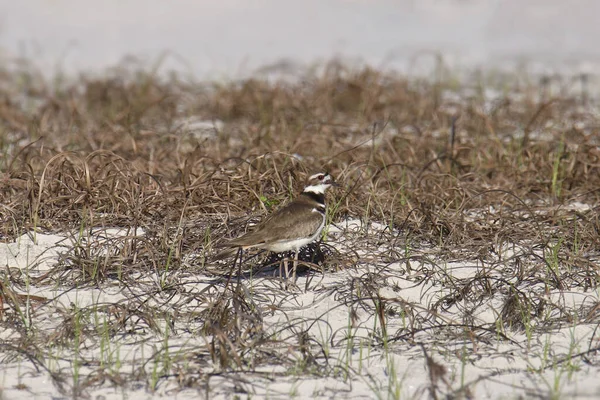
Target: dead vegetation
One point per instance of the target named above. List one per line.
(499, 178)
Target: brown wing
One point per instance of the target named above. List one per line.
(296, 220)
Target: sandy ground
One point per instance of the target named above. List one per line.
(491, 368)
(225, 39)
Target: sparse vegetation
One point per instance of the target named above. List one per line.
(464, 243)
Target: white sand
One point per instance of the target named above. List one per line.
(356, 366)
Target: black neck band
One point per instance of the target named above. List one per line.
(318, 197)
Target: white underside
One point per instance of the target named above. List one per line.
(296, 244)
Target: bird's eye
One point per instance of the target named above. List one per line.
(321, 177)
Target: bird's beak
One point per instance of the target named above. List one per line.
(335, 184)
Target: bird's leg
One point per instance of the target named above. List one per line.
(286, 268)
(295, 267)
(281, 268)
(286, 272)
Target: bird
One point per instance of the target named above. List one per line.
(295, 225)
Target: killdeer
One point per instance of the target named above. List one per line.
(294, 226)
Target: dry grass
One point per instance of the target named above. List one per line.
(451, 172)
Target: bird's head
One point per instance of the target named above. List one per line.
(319, 183)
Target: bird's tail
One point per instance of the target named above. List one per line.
(227, 253)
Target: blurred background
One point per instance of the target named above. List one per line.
(234, 38)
